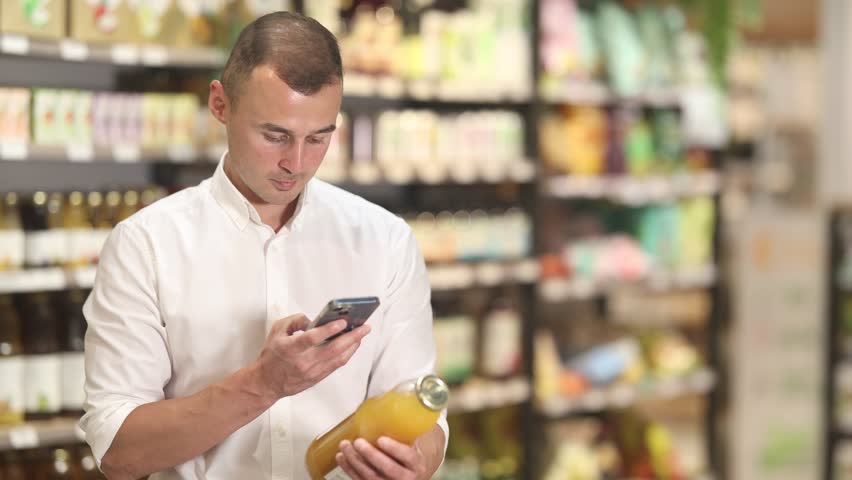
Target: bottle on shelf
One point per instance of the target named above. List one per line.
(42, 364)
(404, 413)
(60, 466)
(56, 228)
(38, 248)
(12, 248)
(129, 205)
(72, 340)
(11, 364)
(101, 220)
(500, 351)
(78, 229)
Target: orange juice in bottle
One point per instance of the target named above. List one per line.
(404, 413)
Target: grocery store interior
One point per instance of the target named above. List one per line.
(608, 195)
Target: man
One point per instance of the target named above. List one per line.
(197, 364)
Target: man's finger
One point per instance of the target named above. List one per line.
(316, 336)
(381, 462)
(357, 462)
(344, 464)
(405, 454)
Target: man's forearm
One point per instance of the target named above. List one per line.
(160, 435)
(431, 445)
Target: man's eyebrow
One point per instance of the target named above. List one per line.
(279, 129)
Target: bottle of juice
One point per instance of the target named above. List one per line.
(404, 413)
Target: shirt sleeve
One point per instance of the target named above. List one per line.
(408, 344)
(127, 359)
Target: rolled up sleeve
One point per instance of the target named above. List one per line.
(408, 342)
(127, 358)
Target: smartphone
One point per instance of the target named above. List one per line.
(355, 311)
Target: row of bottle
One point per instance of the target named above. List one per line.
(582, 140)
(73, 462)
(484, 445)
(164, 22)
(408, 143)
(78, 117)
(472, 235)
(625, 445)
(636, 48)
(489, 346)
(617, 244)
(482, 50)
(56, 229)
(41, 355)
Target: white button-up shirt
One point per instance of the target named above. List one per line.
(188, 288)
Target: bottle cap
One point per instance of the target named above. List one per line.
(432, 392)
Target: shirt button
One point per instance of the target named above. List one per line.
(282, 432)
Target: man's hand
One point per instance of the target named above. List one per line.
(392, 460)
(291, 362)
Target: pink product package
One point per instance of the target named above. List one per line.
(100, 118)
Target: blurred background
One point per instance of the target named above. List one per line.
(632, 214)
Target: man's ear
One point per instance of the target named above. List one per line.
(218, 102)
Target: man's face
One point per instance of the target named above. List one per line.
(277, 137)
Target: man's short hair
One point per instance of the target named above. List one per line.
(302, 52)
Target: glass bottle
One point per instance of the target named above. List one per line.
(11, 234)
(101, 222)
(129, 205)
(78, 229)
(72, 339)
(404, 414)
(11, 364)
(37, 238)
(56, 229)
(42, 365)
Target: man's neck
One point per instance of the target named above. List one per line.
(276, 216)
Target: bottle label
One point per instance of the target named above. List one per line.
(46, 247)
(337, 474)
(12, 386)
(73, 377)
(11, 249)
(42, 389)
(79, 246)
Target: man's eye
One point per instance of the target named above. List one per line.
(277, 139)
(316, 140)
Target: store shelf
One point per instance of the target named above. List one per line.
(480, 394)
(482, 274)
(47, 279)
(634, 190)
(121, 54)
(622, 396)
(560, 290)
(44, 433)
(87, 153)
(391, 88)
(598, 94)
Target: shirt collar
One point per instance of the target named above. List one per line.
(240, 210)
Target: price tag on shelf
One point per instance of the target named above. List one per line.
(73, 50)
(80, 152)
(16, 151)
(182, 153)
(22, 437)
(124, 54)
(15, 44)
(126, 153)
(155, 56)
